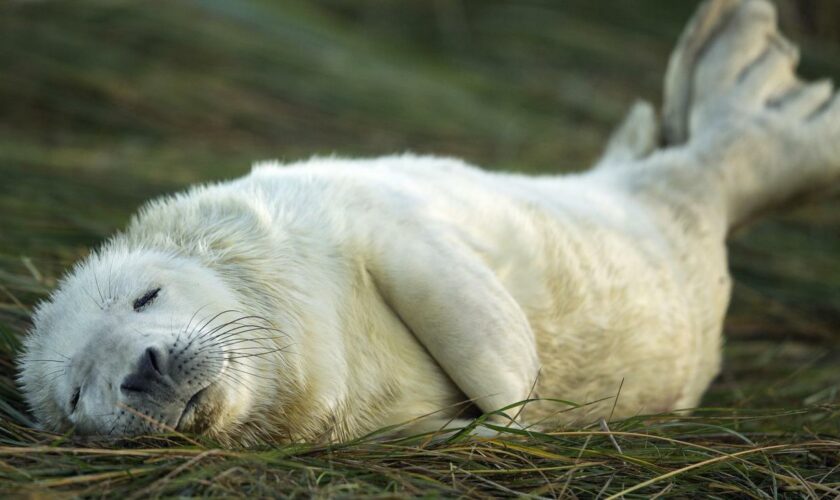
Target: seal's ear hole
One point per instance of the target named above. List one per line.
(146, 299)
(74, 401)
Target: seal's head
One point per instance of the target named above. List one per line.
(139, 341)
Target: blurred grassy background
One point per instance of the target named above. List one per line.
(104, 104)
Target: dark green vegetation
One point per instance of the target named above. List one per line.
(105, 104)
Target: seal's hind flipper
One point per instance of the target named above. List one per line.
(706, 24)
(634, 139)
(760, 135)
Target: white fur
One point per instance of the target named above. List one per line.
(403, 285)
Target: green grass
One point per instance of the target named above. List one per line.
(104, 104)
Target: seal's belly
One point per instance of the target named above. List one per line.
(612, 305)
(602, 314)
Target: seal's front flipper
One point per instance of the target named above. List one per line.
(460, 312)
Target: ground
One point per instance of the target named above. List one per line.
(106, 104)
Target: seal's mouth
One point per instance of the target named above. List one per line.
(187, 418)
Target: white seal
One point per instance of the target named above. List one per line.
(329, 298)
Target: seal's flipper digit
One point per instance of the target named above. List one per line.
(805, 100)
(634, 139)
(460, 312)
(723, 38)
(770, 76)
(679, 85)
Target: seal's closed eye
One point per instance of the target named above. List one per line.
(75, 399)
(146, 299)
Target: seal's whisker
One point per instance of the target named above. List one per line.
(238, 329)
(99, 291)
(243, 348)
(225, 375)
(233, 341)
(52, 377)
(246, 372)
(211, 320)
(229, 342)
(189, 323)
(279, 349)
(220, 362)
(114, 423)
(225, 336)
(238, 382)
(239, 377)
(235, 384)
(234, 376)
(87, 292)
(237, 320)
(59, 354)
(201, 331)
(111, 293)
(193, 337)
(191, 332)
(201, 336)
(233, 330)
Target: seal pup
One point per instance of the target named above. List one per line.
(325, 299)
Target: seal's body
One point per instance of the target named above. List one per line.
(329, 298)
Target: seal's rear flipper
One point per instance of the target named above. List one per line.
(761, 135)
(634, 139)
(679, 85)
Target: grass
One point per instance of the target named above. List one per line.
(106, 104)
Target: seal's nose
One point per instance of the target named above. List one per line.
(150, 372)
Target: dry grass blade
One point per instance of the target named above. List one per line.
(91, 478)
(723, 458)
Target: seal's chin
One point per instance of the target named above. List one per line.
(200, 411)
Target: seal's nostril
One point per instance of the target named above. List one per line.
(130, 385)
(154, 359)
(150, 373)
